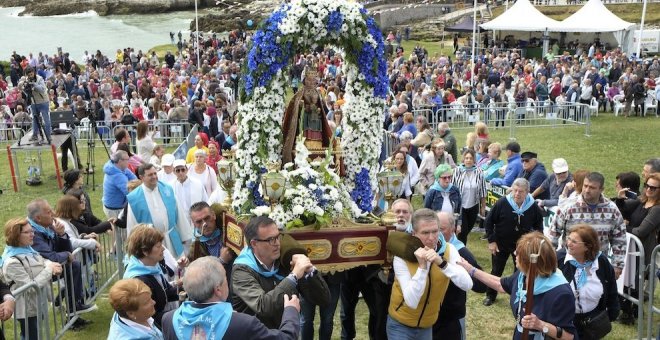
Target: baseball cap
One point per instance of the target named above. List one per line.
(168, 160)
(559, 165)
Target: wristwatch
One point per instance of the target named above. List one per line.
(545, 330)
(560, 332)
(443, 264)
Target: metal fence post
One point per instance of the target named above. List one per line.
(652, 284)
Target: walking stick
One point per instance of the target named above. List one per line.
(529, 304)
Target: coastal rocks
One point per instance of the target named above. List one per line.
(14, 3)
(234, 14)
(105, 7)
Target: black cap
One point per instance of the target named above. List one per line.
(528, 155)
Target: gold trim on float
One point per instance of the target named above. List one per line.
(332, 268)
(317, 250)
(235, 234)
(351, 247)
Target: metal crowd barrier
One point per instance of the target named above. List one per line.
(636, 258)
(98, 271)
(11, 134)
(168, 133)
(653, 280)
(512, 116)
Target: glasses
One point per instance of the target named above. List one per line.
(525, 160)
(27, 232)
(271, 240)
(570, 240)
(180, 170)
(445, 177)
(650, 187)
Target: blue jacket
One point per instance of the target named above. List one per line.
(434, 200)
(115, 187)
(56, 249)
(536, 177)
(513, 167)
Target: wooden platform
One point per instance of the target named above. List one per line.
(26, 145)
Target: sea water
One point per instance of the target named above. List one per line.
(77, 33)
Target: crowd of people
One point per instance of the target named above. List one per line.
(165, 204)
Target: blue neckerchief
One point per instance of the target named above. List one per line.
(41, 229)
(443, 245)
(203, 238)
(458, 244)
(247, 258)
(190, 322)
(465, 168)
(135, 268)
(529, 200)
(541, 285)
(230, 140)
(120, 330)
(436, 186)
(581, 269)
(13, 251)
(138, 203)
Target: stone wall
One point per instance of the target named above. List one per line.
(388, 18)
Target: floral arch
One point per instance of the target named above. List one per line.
(298, 27)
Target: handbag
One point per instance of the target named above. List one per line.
(596, 326)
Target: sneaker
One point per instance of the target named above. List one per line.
(82, 308)
(79, 324)
(34, 138)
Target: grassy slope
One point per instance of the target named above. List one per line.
(628, 12)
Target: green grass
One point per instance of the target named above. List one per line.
(616, 144)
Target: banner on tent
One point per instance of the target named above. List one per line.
(650, 40)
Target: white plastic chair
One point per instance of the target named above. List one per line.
(593, 107)
(650, 103)
(618, 104)
(84, 127)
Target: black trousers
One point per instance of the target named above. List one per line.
(499, 263)
(447, 330)
(469, 217)
(29, 330)
(376, 295)
(69, 144)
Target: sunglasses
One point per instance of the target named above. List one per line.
(445, 177)
(650, 187)
(180, 170)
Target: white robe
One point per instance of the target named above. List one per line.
(188, 193)
(160, 221)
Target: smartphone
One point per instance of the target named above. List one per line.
(631, 195)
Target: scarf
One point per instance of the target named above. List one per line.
(529, 200)
(443, 244)
(458, 244)
(120, 330)
(465, 168)
(247, 258)
(136, 268)
(436, 186)
(541, 285)
(203, 238)
(229, 140)
(13, 251)
(580, 270)
(190, 322)
(41, 229)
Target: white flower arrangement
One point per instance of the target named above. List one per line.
(314, 191)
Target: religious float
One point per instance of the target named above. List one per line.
(288, 165)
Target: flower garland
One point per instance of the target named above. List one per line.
(301, 26)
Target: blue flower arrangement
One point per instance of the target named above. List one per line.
(362, 194)
(335, 20)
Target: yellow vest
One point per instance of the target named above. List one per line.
(426, 313)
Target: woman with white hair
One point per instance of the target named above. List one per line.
(202, 172)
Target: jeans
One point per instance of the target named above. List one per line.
(308, 311)
(31, 328)
(41, 109)
(399, 331)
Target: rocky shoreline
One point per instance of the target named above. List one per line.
(103, 7)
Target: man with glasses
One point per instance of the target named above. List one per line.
(594, 209)
(208, 228)
(534, 172)
(259, 281)
(115, 183)
(168, 216)
(511, 217)
(554, 184)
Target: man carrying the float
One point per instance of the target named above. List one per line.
(260, 281)
(168, 217)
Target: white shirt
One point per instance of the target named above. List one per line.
(412, 287)
(159, 218)
(217, 196)
(188, 193)
(166, 178)
(136, 325)
(591, 292)
(208, 178)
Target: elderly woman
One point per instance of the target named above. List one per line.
(591, 277)
(554, 304)
(200, 144)
(147, 263)
(491, 164)
(443, 195)
(430, 161)
(22, 265)
(203, 173)
(214, 155)
(134, 310)
(470, 181)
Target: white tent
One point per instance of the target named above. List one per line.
(522, 16)
(593, 17)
